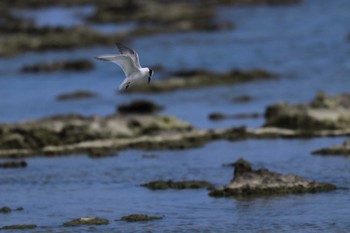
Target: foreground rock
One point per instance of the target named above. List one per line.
(324, 112)
(342, 149)
(139, 218)
(76, 95)
(86, 221)
(248, 182)
(19, 227)
(192, 184)
(202, 78)
(76, 65)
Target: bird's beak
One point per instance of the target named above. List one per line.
(149, 79)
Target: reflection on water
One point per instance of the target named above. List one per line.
(306, 44)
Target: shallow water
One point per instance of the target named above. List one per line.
(306, 44)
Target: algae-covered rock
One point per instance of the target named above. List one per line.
(74, 65)
(140, 218)
(139, 106)
(248, 182)
(202, 78)
(169, 184)
(19, 227)
(342, 149)
(322, 113)
(86, 221)
(76, 95)
(13, 164)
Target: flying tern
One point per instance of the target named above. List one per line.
(129, 62)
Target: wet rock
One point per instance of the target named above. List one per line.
(322, 113)
(139, 106)
(216, 116)
(249, 182)
(13, 164)
(86, 221)
(101, 153)
(202, 78)
(242, 99)
(140, 218)
(191, 184)
(5, 210)
(81, 94)
(149, 156)
(76, 65)
(19, 227)
(342, 149)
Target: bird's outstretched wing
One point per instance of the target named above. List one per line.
(124, 50)
(125, 62)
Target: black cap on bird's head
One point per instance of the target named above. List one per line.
(150, 75)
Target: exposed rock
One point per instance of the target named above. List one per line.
(249, 182)
(139, 218)
(139, 106)
(101, 153)
(81, 94)
(13, 164)
(322, 113)
(76, 65)
(5, 210)
(19, 227)
(201, 78)
(191, 184)
(342, 149)
(216, 116)
(86, 221)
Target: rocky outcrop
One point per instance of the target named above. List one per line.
(19, 227)
(76, 65)
(342, 149)
(169, 184)
(86, 221)
(248, 182)
(202, 78)
(140, 218)
(324, 112)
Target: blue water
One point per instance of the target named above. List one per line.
(306, 44)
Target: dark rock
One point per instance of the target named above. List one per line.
(19, 227)
(201, 78)
(149, 156)
(76, 95)
(139, 106)
(101, 153)
(192, 184)
(76, 65)
(13, 164)
(242, 99)
(86, 221)
(139, 218)
(5, 210)
(322, 113)
(248, 182)
(216, 116)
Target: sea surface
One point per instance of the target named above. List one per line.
(306, 44)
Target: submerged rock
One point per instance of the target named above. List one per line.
(13, 164)
(76, 65)
(86, 221)
(139, 218)
(191, 184)
(19, 227)
(81, 94)
(249, 182)
(202, 78)
(322, 113)
(139, 106)
(342, 149)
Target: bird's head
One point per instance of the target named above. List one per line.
(150, 73)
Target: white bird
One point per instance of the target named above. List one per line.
(128, 60)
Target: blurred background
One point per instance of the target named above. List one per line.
(47, 50)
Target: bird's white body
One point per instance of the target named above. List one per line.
(128, 60)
